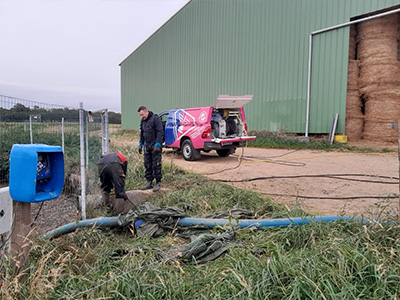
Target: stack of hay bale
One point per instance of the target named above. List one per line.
(354, 115)
(379, 80)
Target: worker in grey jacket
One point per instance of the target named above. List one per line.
(151, 138)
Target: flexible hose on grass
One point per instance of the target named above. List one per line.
(210, 223)
(98, 222)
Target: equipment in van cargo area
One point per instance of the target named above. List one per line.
(226, 123)
(221, 127)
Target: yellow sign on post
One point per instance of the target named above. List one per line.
(341, 139)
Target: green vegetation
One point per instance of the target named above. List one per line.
(267, 139)
(21, 113)
(49, 133)
(338, 260)
(127, 134)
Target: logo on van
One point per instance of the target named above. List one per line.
(202, 117)
(184, 123)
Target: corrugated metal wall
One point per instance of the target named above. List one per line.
(242, 47)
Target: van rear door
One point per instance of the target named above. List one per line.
(225, 101)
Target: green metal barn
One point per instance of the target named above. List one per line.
(291, 55)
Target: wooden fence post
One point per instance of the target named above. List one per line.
(19, 243)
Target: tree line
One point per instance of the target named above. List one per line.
(21, 113)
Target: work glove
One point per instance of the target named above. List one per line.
(157, 147)
(140, 147)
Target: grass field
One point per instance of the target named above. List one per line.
(337, 260)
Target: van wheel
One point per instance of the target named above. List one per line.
(188, 151)
(223, 152)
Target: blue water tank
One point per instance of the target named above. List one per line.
(36, 172)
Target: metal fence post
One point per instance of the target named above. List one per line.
(83, 173)
(49, 119)
(30, 128)
(107, 136)
(103, 147)
(62, 133)
(87, 141)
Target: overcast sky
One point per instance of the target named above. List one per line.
(68, 51)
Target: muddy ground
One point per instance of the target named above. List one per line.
(318, 195)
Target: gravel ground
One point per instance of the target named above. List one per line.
(54, 213)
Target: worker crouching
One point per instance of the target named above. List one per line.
(112, 171)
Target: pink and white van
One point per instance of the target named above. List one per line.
(221, 127)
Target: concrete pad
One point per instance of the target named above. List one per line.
(134, 199)
(304, 139)
(120, 206)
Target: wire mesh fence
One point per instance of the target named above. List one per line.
(30, 122)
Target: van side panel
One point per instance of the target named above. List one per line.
(170, 127)
(187, 123)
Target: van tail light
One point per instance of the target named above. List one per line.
(245, 127)
(206, 133)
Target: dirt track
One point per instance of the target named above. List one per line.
(277, 162)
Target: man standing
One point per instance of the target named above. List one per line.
(112, 171)
(151, 137)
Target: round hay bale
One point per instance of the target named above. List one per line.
(389, 112)
(386, 26)
(352, 48)
(353, 104)
(380, 131)
(354, 128)
(352, 75)
(353, 30)
(378, 88)
(381, 48)
(381, 73)
(398, 30)
(383, 106)
(398, 38)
